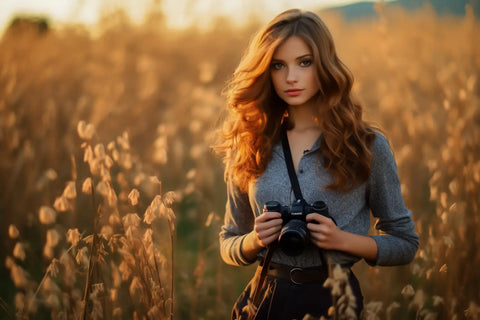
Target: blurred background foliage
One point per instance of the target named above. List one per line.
(417, 76)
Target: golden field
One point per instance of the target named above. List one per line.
(110, 192)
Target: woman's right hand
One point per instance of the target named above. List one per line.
(267, 228)
(265, 231)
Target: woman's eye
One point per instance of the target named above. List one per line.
(305, 63)
(277, 65)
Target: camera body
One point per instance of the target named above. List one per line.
(294, 235)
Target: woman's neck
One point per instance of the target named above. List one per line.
(304, 118)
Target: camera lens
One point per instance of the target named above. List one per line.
(293, 237)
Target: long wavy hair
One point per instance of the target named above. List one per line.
(256, 113)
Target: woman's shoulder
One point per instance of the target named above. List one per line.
(381, 147)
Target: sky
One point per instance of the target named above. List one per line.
(179, 13)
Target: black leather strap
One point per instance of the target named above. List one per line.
(301, 275)
(298, 275)
(290, 167)
(294, 181)
(263, 274)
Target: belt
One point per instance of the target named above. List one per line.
(298, 275)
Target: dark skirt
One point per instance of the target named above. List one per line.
(283, 299)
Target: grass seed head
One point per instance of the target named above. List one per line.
(108, 162)
(73, 236)
(473, 311)
(123, 141)
(154, 313)
(13, 232)
(19, 251)
(107, 232)
(88, 154)
(70, 191)
(131, 220)
(53, 237)
(437, 301)
(85, 131)
(9, 262)
(133, 197)
(82, 256)
(136, 289)
(61, 204)
(148, 236)
(103, 188)
(114, 218)
(408, 292)
(87, 186)
(19, 276)
(47, 215)
(99, 151)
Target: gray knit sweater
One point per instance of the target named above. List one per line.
(380, 195)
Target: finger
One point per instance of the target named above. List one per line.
(320, 219)
(314, 227)
(270, 225)
(268, 240)
(316, 217)
(267, 215)
(273, 223)
(320, 240)
(264, 221)
(266, 232)
(325, 230)
(318, 236)
(319, 244)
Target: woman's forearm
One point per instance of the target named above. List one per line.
(358, 245)
(250, 247)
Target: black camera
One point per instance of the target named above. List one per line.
(294, 234)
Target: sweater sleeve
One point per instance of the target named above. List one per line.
(397, 242)
(238, 222)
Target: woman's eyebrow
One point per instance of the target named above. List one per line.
(303, 56)
(308, 55)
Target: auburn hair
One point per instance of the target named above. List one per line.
(255, 112)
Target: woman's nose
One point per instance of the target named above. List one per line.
(291, 75)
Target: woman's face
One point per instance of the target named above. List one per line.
(293, 72)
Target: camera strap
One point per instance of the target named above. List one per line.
(255, 295)
(290, 167)
(294, 181)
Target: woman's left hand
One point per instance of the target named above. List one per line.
(323, 231)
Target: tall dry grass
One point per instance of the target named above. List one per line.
(416, 74)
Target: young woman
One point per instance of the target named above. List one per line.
(291, 80)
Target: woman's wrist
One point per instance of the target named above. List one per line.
(251, 246)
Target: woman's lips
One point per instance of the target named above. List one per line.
(293, 92)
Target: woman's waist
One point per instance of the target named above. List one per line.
(311, 258)
(298, 275)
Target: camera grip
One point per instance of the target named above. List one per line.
(321, 208)
(272, 206)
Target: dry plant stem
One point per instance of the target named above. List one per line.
(93, 252)
(172, 239)
(172, 242)
(74, 168)
(157, 269)
(219, 280)
(6, 309)
(144, 277)
(159, 280)
(198, 280)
